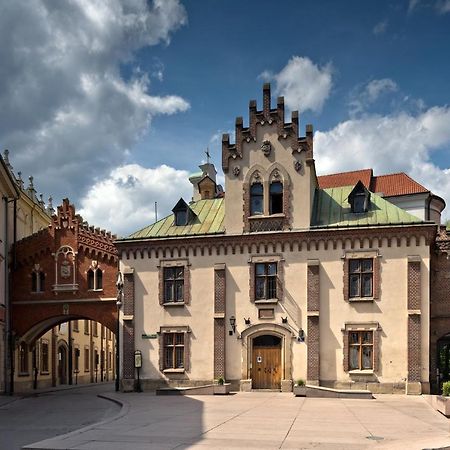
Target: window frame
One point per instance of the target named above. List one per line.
(173, 280)
(174, 263)
(37, 281)
(360, 345)
(361, 274)
(349, 256)
(44, 357)
(94, 279)
(185, 331)
(256, 195)
(278, 195)
(269, 281)
(279, 286)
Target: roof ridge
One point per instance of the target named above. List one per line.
(341, 173)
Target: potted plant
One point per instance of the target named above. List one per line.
(300, 388)
(443, 401)
(221, 388)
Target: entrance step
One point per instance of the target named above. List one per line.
(321, 391)
(207, 389)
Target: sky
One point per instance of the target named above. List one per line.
(112, 103)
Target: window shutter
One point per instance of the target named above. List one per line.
(187, 352)
(161, 351)
(252, 282)
(187, 285)
(376, 350)
(346, 351)
(161, 285)
(376, 277)
(346, 284)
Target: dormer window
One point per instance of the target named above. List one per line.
(276, 197)
(182, 213)
(359, 198)
(256, 199)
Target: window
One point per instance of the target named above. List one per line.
(86, 327)
(256, 199)
(76, 326)
(265, 281)
(361, 350)
(173, 284)
(23, 358)
(95, 279)
(86, 360)
(361, 278)
(359, 198)
(95, 329)
(276, 198)
(173, 351)
(182, 213)
(77, 360)
(44, 357)
(37, 281)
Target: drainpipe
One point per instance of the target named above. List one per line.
(70, 364)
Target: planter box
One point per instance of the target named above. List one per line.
(443, 405)
(299, 391)
(222, 389)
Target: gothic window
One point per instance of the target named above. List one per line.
(37, 279)
(95, 278)
(276, 197)
(256, 199)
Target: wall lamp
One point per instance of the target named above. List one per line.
(247, 321)
(301, 335)
(233, 324)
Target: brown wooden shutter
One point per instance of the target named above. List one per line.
(252, 282)
(161, 284)
(346, 351)
(376, 277)
(161, 351)
(346, 280)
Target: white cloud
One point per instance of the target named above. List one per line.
(364, 96)
(67, 113)
(124, 202)
(389, 144)
(440, 6)
(304, 85)
(443, 6)
(380, 27)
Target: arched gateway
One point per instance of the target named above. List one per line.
(64, 272)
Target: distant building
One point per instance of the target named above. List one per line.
(287, 276)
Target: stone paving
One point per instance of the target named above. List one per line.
(263, 420)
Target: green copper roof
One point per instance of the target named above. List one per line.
(331, 209)
(208, 220)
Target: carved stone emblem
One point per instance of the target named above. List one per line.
(257, 176)
(276, 175)
(94, 264)
(236, 171)
(65, 269)
(297, 166)
(266, 147)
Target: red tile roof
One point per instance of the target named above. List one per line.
(346, 179)
(396, 184)
(389, 185)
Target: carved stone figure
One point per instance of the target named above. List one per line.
(266, 147)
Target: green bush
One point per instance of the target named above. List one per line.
(446, 389)
(220, 380)
(300, 382)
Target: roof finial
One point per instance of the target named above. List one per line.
(208, 156)
(19, 180)
(50, 208)
(30, 185)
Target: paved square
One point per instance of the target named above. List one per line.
(262, 420)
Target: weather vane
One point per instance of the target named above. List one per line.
(207, 155)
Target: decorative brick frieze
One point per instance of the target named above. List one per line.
(414, 348)
(219, 322)
(414, 285)
(313, 350)
(219, 288)
(313, 286)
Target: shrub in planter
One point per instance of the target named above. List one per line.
(220, 381)
(300, 382)
(446, 389)
(300, 388)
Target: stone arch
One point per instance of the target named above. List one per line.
(286, 335)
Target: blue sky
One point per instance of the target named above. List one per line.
(112, 104)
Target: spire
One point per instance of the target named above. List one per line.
(50, 208)
(19, 180)
(6, 159)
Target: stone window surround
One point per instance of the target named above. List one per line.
(266, 178)
(361, 326)
(95, 271)
(175, 262)
(362, 254)
(36, 272)
(279, 259)
(187, 354)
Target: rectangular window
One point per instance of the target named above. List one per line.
(173, 284)
(86, 360)
(77, 360)
(95, 329)
(265, 281)
(86, 327)
(360, 278)
(75, 326)
(360, 350)
(173, 351)
(23, 358)
(44, 357)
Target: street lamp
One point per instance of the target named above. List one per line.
(119, 285)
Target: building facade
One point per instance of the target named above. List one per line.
(286, 276)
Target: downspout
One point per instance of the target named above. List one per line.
(429, 206)
(9, 373)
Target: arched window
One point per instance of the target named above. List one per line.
(95, 279)
(256, 199)
(276, 197)
(37, 279)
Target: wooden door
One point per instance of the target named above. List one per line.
(266, 368)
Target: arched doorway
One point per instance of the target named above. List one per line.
(266, 362)
(443, 359)
(62, 364)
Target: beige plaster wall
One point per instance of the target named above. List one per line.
(390, 310)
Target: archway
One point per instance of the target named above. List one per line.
(266, 368)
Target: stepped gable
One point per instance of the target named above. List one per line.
(94, 241)
(267, 116)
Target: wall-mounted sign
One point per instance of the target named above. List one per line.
(149, 336)
(138, 359)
